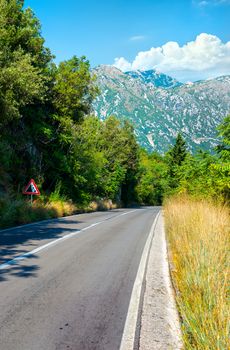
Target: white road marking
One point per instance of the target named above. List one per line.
(56, 241)
(128, 212)
(128, 337)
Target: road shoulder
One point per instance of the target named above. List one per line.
(160, 326)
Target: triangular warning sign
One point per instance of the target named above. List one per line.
(31, 188)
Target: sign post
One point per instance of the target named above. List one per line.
(31, 189)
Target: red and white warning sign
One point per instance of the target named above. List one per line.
(31, 188)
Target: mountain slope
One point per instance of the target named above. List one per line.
(156, 78)
(158, 114)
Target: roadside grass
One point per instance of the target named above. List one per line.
(198, 243)
(15, 212)
(18, 211)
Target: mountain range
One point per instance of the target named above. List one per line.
(159, 106)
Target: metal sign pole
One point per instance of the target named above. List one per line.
(31, 199)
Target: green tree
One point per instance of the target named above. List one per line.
(23, 60)
(175, 158)
(72, 95)
(224, 132)
(178, 152)
(222, 168)
(152, 178)
(87, 162)
(74, 89)
(205, 174)
(120, 147)
(24, 81)
(195, 177)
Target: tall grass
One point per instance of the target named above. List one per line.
(20, 211)
(198, 236)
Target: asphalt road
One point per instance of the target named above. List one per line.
(73, 294)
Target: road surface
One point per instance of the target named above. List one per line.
(73, 291)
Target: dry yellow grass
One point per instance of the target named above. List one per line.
(61, 208)
(19, 212)
(103, 204)
(198, 236)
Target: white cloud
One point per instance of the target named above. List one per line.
(137, 38)
(122, 64)
(205, 57)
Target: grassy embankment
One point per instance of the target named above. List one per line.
(15, 212)
(198, 236)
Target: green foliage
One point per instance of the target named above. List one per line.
(86, 161)
(224, 132)
(102, 158)
(222, 168)
(194, 177)
(121, 149)
(24, 80)
(74, 89)
(178, 151)
(204, 174)
(153, 179)
(23, 60)
(55, 196)
(175, 158)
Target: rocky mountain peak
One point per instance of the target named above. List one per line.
(155, 78)
(109, 71)
(159, 106)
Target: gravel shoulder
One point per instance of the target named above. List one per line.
(159, 324)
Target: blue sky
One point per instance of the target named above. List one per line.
(128, 30)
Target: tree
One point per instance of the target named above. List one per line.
(224, 132)
(85, 180)
(222, 168)
(175, 158)
(23, 60)
(24, 81)
(178, 152)
(195, 177)
(120, 147)
(72, 95)
(74, 89)
(152, 178)
(205, 174)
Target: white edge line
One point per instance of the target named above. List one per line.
(128, 337)
(45, 246)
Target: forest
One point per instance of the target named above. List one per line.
(48, 132)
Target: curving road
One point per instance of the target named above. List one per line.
(70, 288)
